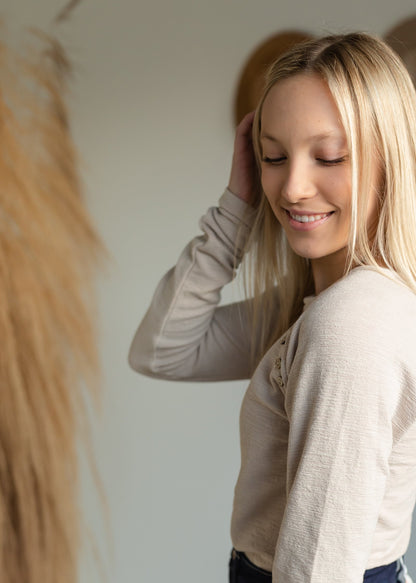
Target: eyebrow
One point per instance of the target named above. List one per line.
(315, 138)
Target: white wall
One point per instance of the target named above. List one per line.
(152, 113)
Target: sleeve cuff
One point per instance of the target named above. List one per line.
(237, 207)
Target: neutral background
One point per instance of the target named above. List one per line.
(152, 116)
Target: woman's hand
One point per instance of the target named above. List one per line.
(243, 179)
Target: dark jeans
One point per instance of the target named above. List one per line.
(242, 570)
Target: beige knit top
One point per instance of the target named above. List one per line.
(328, 424)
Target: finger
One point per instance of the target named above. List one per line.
(246, 123)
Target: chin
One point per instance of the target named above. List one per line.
(307, 253)
(315, 254)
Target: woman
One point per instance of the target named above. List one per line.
(328, 424)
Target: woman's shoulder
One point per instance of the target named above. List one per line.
(365, 287)
(368, 301)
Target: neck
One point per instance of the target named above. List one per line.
(327, 270)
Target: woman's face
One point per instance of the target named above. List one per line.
(305, 168)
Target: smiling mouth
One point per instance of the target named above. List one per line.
(308, 218)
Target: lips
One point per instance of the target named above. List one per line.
(307, 218)
(306, 221)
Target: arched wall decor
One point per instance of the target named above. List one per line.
(401, 37)
(250, 83)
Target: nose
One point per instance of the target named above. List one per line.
(298, 183)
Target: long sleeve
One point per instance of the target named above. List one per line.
(344, 381)
(185, 334)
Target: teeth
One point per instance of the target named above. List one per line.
(308, 218)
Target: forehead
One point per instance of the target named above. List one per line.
(301, 106)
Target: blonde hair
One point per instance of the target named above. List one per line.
(377, 105)
(48, 256)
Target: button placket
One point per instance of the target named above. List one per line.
(278, 362)
(277, 366)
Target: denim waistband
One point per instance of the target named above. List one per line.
(242, 570)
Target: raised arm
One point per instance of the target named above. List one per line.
(185, 334)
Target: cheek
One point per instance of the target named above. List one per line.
(272, 199)
(264, 181)
(340, 193)
(271, 184)
(273, 208)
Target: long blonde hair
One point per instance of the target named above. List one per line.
(48, 256)
(377, 105)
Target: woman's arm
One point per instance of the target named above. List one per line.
(184, 334)
(343, 385)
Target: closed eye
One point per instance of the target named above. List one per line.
(273, 161)
(332, 162)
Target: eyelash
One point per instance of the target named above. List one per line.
(275, 161)
(278, 161)
(333, 162)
